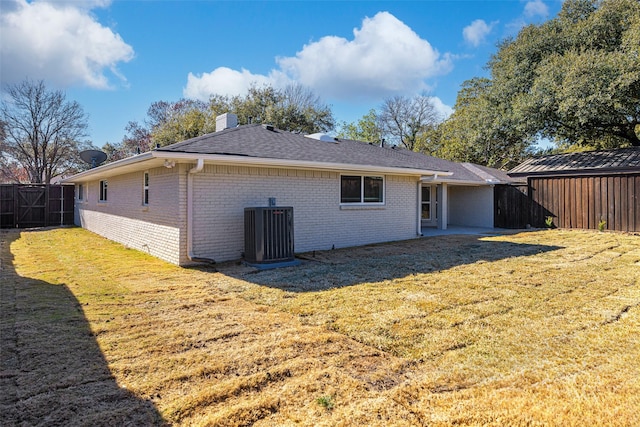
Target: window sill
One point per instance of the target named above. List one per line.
(362, 207)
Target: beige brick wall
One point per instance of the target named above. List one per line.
(222, 193)
(157, 228)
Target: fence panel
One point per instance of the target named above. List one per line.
(585, 201)
(35, 205)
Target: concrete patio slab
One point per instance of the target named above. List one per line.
(451, 230)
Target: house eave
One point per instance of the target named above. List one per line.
(130, 164)
(295, 164)
(467, 183)
(158, 158)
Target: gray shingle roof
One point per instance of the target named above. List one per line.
(618, 160)
(271, 143)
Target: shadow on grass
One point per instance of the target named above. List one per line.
(322, 270)
(52, 371)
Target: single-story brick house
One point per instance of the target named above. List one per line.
(584, 190)
(186, 201)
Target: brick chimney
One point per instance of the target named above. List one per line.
(226, 121)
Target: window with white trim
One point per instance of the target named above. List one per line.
(361, 189)
(145, 189)
(429, 204)
(80, 189)
(103, 190)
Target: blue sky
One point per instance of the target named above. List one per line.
(117, 57)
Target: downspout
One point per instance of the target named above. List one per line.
(419, 210)
(198, 168)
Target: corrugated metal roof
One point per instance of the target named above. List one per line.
(618, 160)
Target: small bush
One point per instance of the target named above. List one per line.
(326, 402)
(602, 225)
(549, 222)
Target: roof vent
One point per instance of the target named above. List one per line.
(226, 121)
(268, 127)
(322, 137)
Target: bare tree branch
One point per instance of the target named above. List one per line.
(42, 130)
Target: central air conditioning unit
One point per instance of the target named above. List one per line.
(268, 235)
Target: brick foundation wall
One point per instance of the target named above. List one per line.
(158, 240)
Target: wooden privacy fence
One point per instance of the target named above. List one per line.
(35, 205)
(572, 202)
(511, 206)
(582, 202)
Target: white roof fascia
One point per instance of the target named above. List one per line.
(300, 164)
(110, 169)
(106, 170)
(437, 180)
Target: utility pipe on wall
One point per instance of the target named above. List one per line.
(198, 168)
(419, 210)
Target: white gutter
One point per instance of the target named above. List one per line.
(430, 180)
(300, 164)
(222, 159)
(198, 168)
(109, 166)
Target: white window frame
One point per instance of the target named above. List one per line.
(80, 194)
(362, 201)
(145, 188)
(103, 187)
(433, 203)
(428, 188)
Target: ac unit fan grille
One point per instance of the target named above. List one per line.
(268, 234)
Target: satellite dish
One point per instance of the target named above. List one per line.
(93, 157)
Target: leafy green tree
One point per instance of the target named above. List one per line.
(254, 106)
(177, 121)
(481, 130)
(42, 132)
(166, 123)
(294, 108)
(366, 129)
(576, 78)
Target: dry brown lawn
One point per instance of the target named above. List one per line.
(536, 328)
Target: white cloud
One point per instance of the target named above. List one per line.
(443, 109)
(225, 81)
(536, 8)
(533, 10)
(60, 42)
(476, 32)
(384, 57)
